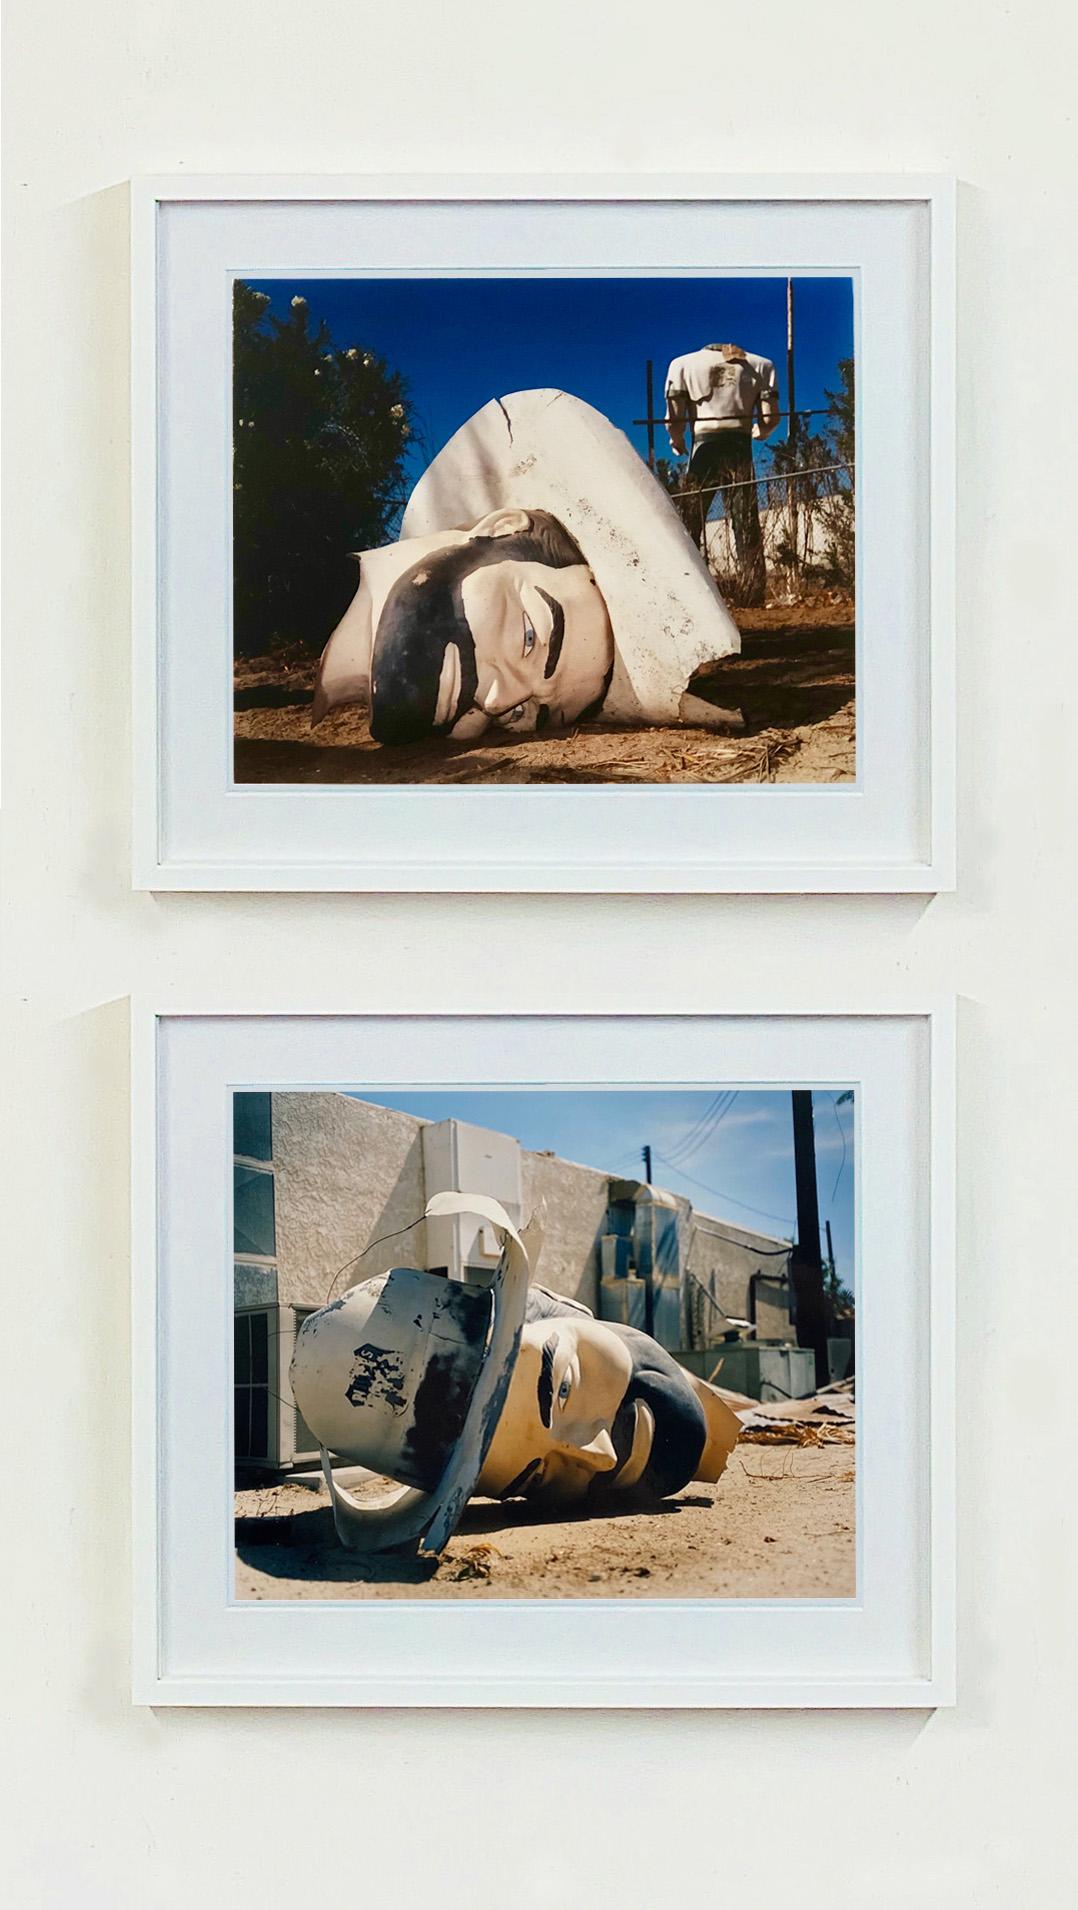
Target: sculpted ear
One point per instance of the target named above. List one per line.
(504, 523)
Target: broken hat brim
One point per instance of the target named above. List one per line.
(409, 1519)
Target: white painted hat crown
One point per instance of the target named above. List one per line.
(384, 1375)
(406, 1375)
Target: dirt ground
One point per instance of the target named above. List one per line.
(779, 1524)
(793, 682)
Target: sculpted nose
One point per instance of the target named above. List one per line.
(601, 1450)
(493, 695)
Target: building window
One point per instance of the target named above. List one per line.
(251, 1387)
(254, 1231)
(304, 1440)
(252, 1126)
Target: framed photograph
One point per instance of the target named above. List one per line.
(530, 1360)
(516, 534)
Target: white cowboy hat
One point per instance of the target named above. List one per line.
(406, 1375)
(546, 450)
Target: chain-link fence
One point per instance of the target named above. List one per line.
(779, 537)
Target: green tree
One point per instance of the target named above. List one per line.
(841, 414)
(838, 498)
(319, 439)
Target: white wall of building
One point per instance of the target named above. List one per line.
(114, 1809)
(724, 1258)
(574, 1201)
(346, 1173)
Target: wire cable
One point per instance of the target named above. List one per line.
(699, 1138)
(842, 1136)
(704, 1139)
(763, 1212)
(371, 1244)
(687, 1141)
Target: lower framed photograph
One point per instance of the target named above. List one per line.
(549, 1361)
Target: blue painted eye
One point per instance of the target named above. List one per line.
(529, 635)
(564, 1390)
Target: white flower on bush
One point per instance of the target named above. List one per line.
(297, 302)
(396, 411)
(351, 352)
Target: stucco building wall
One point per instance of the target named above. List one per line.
(724, 1258)
(574, 1201)
(345, 1173)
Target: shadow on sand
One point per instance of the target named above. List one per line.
(304, 1545)
(781, 680)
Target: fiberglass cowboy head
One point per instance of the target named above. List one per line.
(500, 624)
(542, 574)
(448, 1388)
(596, 1408)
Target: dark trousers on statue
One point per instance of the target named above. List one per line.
(723, 462)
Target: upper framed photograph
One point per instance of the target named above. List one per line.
(523, 534)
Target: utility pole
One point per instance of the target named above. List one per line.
(806, 1265)
(645, 1155)
(649, 413)
(791, 414)
(793, 434)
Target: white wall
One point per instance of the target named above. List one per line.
(344, 1174)
(575, 1203)
(724, 1258)
(114, 1808)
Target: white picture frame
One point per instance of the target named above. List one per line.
(892, 1645)
(893, 830)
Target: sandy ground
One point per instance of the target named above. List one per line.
(793, 682)
(779, 1524)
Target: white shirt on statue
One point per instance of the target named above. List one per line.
(721, 388)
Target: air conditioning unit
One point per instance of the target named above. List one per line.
(624, 1300)
(461, 1159)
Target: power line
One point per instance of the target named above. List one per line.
(842, 1163)
(758, 1253)
(685, 1150)
(717, 1122)
(688, 1139)
(732, 1198)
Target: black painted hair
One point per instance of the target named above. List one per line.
(424, 613)
(680, 1420)
(546, 1383)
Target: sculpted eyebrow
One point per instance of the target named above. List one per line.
(557, 634)
(545, 1389)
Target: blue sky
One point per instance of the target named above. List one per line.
(737, 1164)
(459, 342)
